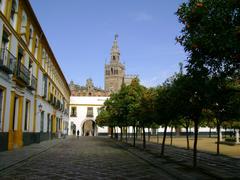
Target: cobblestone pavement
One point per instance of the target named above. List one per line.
(96, 158)
(10, 158)
(84, 158)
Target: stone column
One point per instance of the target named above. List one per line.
(237, 135)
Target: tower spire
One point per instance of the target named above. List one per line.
(115, 53)
(115, 70)
(116, 36)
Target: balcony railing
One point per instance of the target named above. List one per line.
(33, 83)
(7, 61)
(23, 73)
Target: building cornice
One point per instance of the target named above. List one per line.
(34, 18)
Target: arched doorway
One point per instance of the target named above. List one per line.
(88, 128)
(73, 128)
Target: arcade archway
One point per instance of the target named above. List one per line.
(89, 128)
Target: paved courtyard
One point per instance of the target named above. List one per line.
(90, 158)
(83, 158)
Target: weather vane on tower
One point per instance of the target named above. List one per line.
(116, 36)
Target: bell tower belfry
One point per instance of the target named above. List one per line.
(115, 53)
(115, 70)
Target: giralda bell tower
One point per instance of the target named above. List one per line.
(115, 70)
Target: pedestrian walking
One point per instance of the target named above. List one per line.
(78, 134)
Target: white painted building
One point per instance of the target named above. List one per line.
(83, 113)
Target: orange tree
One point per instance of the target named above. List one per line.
(133, 101)
(189, 103)
(121, 108)
(223, 101)
(212, 30)
(108, 116)
(211, 37)
(165, 107)
(147, 113)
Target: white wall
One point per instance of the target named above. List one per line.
(82, 103)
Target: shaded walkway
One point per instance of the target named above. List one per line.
(210, 164)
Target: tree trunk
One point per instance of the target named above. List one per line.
(195, 143)
(144, 139)
(164, 138)
(126, 135)
(111, 132)
(171, 135)
(218, 137)
(134, 138)
(178, 131)
(136, 133)
(157, 137)
(210, 132)
(121, 136)
(116, 133)
(148, 134)
(187, 135)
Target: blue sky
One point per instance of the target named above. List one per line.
(81, 33)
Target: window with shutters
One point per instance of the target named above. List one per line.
(30, 37)
(27, 111)
(36, 48)
(13, 10)
(43, 57)
(23, 26)
(73, 112)
(90, 112)
(44, 86)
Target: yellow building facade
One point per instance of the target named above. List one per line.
(34, 94)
